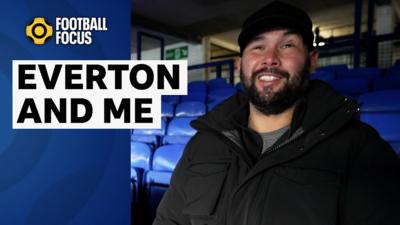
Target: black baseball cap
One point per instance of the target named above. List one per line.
(277, 15)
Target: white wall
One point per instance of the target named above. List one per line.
(195, 56)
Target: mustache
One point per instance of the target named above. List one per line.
(273, 70)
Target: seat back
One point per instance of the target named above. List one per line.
(335, 69)
(351, 86)
(179, 131)
(216, 83)
(158, 179)
(140, 155)
(190, 109)
(386, 83)
(367, 72)
(381, 109)
(221, 94)
(194, 97)
(167, 110)
(197, 86)
(326, 76)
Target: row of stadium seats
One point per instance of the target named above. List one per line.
(150, 177)
(186, 109)
(350, 82)
(211, 92)
(155, 152)
(342, 71)
(354, 82)
(381, 110)
(177, 131)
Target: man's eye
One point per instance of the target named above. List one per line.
(258, 47)
(288, 45)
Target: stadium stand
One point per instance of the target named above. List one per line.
(217, 83)
(239, 86)
(352, 72)
(335, 69)
(149, 136)
(351, 87)
(179, 131)
(369, 73)
(140, 161)
(326, 76)
(171, 99)
(377, 91)
(157, 180)
(190, 109)
(381, 109)
(167, 110)
(387, 82)
(197, 86)
(221, 94)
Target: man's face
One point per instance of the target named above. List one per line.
(274, 70)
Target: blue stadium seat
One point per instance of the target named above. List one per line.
(381, 109)
(396, 146)
(239, 86)
(149, 139)
(140, 162)
(167, 110)
(157, 132)
(380, 101)
(393, 71)
(140, 155)
(351, 87)
(368, 72)
(333, 68)
(149, 136)
(197, 86)
(211, 105)
(158, 179)
(323, 75)
(171, 99)
(194, 96)
(221, 94)
(387, 125)
(190, 109)
(216, 84)
(166, 157)
(134, 178)
(179, 131)
(386, 82)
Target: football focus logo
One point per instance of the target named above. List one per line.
(39, 31)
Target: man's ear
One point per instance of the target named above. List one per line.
(238, 62)
(314, 55)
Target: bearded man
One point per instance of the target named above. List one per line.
(286, 151)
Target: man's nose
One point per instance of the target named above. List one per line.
(271, 58)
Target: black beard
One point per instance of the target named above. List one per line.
(270, 103)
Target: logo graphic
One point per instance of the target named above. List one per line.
(39, 31)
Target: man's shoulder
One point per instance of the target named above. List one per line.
(366, 138)
(360, 128)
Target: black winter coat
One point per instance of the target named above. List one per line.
(330, 169)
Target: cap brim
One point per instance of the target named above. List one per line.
(252, 30)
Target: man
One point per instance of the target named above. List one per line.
(288, 151)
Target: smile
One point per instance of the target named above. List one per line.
(268, 78)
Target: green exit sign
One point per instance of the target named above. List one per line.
(177, 53)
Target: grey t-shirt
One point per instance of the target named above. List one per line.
(269, 138)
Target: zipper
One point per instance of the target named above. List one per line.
(237, 148)
(293, 138)
(297, 134)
